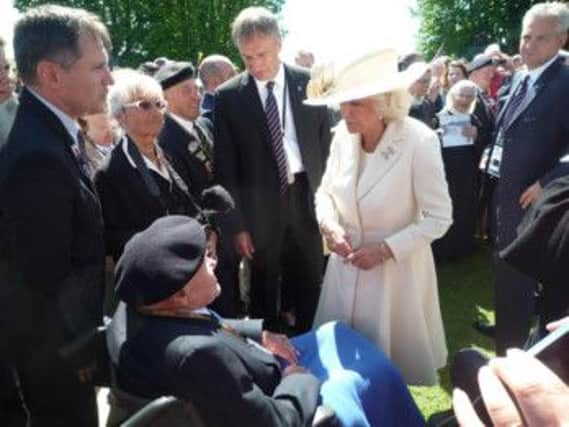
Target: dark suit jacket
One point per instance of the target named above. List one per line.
(486, 122)
(541, 249)
(231, 381)
(208, 106)
(174, 140)
(51, 237)
(533, 145)
(128, 206)
(244, 162)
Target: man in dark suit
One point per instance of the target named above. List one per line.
(532, 135)
(185, 137)
(51, 231)
(188, 140)
(270, 153)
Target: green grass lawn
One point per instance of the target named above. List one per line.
(465, 290)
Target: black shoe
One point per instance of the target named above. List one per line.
(442, 419)
(485, 328)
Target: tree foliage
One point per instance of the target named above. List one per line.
(465, 27)
(142, 30)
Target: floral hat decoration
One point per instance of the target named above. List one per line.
(369, 75)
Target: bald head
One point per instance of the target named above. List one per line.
(214, 70)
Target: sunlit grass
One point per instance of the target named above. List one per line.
(465, 289)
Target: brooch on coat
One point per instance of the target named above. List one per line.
(387, 152)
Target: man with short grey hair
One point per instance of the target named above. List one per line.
(214, 70)
(270, 153)
(532, 137)
(8, 100)
(51, 231)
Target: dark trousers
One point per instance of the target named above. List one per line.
(54, 396)
(290, 267)
(514, 306)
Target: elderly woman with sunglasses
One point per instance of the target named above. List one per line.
(137, 183)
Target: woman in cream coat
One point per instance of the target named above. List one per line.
(382, 201)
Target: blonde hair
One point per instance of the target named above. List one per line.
(394, 105)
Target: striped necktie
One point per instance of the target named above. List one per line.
(515, 103)
(275, 128)
(81, 156)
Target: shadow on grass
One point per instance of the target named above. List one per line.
(465, 290)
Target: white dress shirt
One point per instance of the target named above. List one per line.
(290, 139)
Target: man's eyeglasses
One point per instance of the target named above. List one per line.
(147, 105)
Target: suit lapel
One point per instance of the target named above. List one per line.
(381, 161)
(533, 91)
(253, 105)
(55, 124)
(514, 87)
(296, 93)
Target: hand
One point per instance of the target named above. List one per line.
(371, 255)
(87, 373)
(294, 369)
(530, 195)
(470, 132)
(279, 345)
(434, 89)
(244, 244)
(211, 246)
(336, 239)
(517, 390)
(554, 325)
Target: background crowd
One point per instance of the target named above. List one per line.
(327, 194)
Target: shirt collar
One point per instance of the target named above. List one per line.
(279, 79)
(536, 73)
(188, 124)
(149, 164)
(69, 124)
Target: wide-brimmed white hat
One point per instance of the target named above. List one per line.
(369, 75)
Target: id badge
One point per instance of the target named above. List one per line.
(495, 161)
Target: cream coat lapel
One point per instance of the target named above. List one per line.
(384, 157)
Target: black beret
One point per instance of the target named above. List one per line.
(159, 261)
(171, 73)
(481, 61)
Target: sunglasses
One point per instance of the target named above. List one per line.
(145, 105)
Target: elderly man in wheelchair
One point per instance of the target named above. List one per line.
(164, 341)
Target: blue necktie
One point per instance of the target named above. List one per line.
(275, 128)
(515, 103)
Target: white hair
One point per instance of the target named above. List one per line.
(557, 10)
(455, 90)
(128, 85)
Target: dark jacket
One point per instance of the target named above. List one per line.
(51, 237)
(533, 144)
(244, 161)
(127, 202)
(179, 145)
(231, 381)
(541, 249)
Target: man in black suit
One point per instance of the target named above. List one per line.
(270, 153)
(51, 231)
(186, 137)
(532, 135)
(188, 140)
